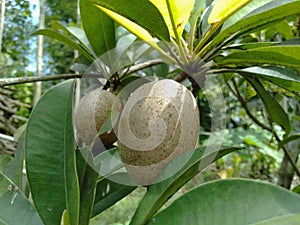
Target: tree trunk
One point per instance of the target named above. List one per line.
(2, 12)
(39, 57)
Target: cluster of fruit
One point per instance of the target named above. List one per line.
(159, 120)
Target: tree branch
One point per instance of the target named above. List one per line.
(6, 137)
(244, 104)
(22, 80)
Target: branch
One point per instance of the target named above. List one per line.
(262, 125)
(245, 106)
(141, 66)
(23, 80)
(6, 137)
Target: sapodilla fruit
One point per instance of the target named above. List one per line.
(93, 110)
(159, 121)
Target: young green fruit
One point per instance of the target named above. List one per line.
(95, 109)
(159, 121)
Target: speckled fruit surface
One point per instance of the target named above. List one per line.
(93, 110)
(159, 121)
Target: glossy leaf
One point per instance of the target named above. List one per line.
(277, 75)
(65, 218)
(224, 9)
(135, 12)
(292, 219)
(285, 29)
(4, 161)
(88, 173)
(87, 194)
(99, 28)
(108, 193)
(248, 8)
(74, 33)
(287, 55)
(197, 11)
(228, 202)
(246, 46)
(180, 13)
(68, 40)
(50, 155)
(92, 191)
(275, 111)
(266, 14)
(294, 41)
(14, 169)
(15, 208)
(158, 193)
(137, 30)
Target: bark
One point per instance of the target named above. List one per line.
(2, 13)
(9, 121)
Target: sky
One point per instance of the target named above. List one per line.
(34, 5)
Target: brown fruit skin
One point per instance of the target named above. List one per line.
(93, 110)
(159, 121)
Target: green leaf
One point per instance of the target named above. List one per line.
(179, 14)
(14, 169)
(99, 28)
(228, 202)
(224, 9)
(65, 220)
(286, 220)
(15, 208)
(285, 29)
(275, 111)
(50, 155)
(277, 75)
(159, 193)
(248, 8)
(88, 174)
(246, 46)
(297, 189)
(135, 12)
(97, 195)
(4, 161)
(197, 11)
(108, 193)
(287, 55)
(74, 33)
(268, 13)
(87, 194)
(294, 41)
(19, 132)
(288, 139)
(66, 40)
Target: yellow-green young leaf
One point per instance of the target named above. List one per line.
(223, 9)
(181, 11)
(65, 218)
(131, 26)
